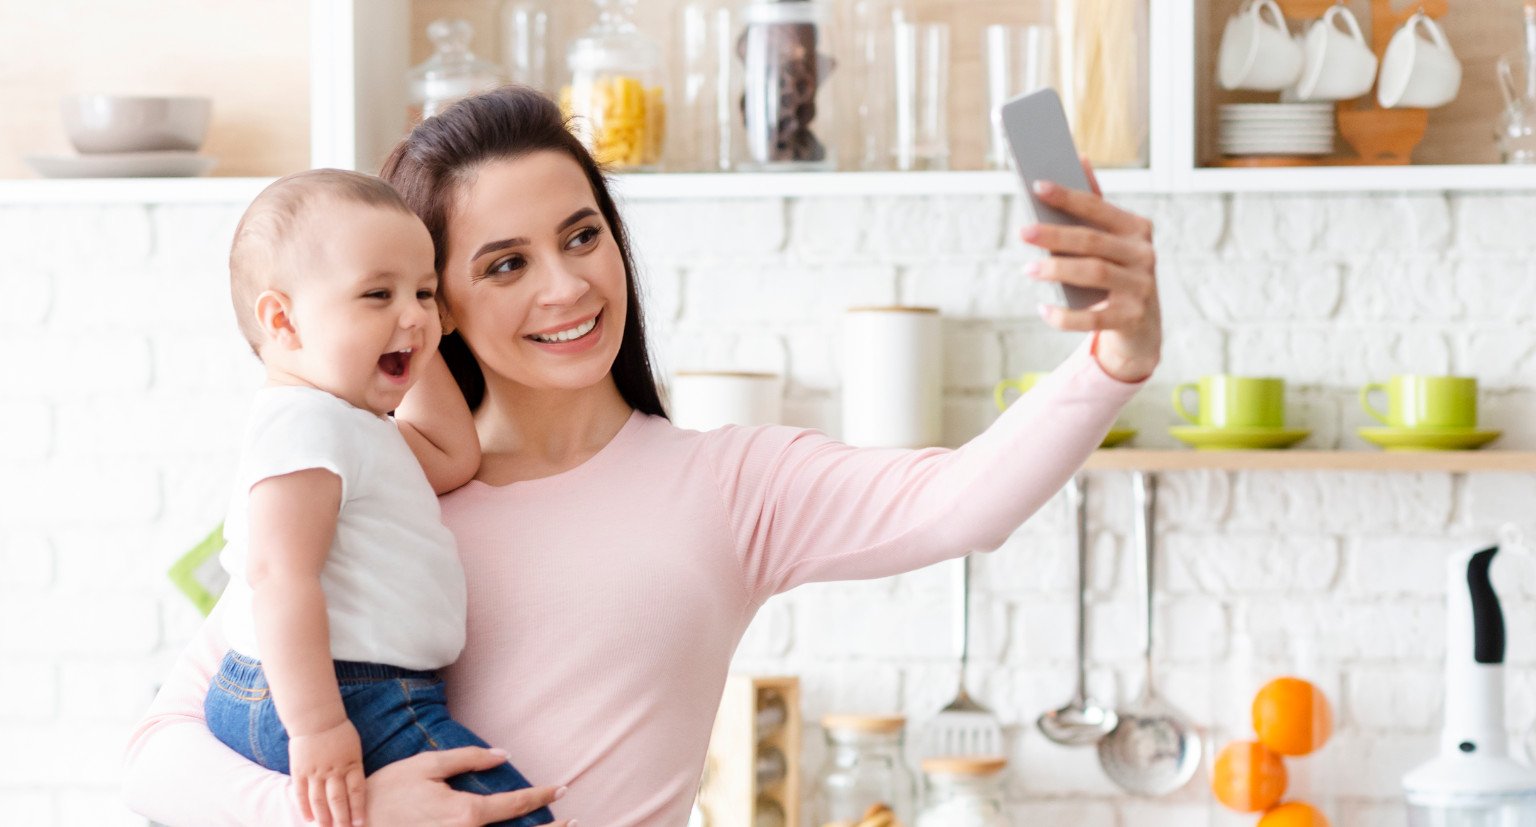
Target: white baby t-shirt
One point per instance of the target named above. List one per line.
(394, 587)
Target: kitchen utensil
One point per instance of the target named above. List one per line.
(963, 727)
(1081, 722)
(1472, 782)
(1416, 72)
(175, 164)
(1237, 439)
(131, 123)
(1257, 51)
(1338, 64)
(1233, 402)
(1423, 439)
(1154, 750)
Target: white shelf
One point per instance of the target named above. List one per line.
(669, 186)
(131, 190)
(1363, 179)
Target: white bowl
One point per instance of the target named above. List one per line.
(125, 123)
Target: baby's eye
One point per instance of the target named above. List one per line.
(377, 294)
(426, 294)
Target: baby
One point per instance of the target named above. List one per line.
(346, 590)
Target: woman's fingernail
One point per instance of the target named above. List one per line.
(499, 752)
(1044, 188)
(1030, 233)
(560, 793)
(571, 823)
(1032, 268)
(1044, 310)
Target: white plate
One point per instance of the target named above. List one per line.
(1277, 150)
(1277, 107)
(1275, 145)
(170, 164)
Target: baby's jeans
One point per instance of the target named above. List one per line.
(397, 712)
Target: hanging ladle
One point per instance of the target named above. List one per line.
(1154, 750)
(1081, 722)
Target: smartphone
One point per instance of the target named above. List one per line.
(1041, 141)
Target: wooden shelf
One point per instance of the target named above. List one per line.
(1136, 459)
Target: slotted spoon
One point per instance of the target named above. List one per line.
(964, 727)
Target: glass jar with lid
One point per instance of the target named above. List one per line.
(452, 72)
(963, 792)
(865, 771)
(786, 103)
(615, 95)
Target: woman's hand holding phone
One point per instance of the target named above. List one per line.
(1112, 252)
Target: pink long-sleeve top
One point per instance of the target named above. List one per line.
(605, 601)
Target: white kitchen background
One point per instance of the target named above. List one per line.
(128, 388)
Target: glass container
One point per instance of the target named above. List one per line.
(865, 770)
(452, 72)
(525, 38)
(963, 792)
(705, 91)
(1020, 60)
(922, 96)
(787, 102)
(615, 97)
(1103, 48)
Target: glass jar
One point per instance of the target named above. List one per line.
(865, 770)
(786, 105)
(452, 72)
(615, 95)
(963, 792)
(525, 39)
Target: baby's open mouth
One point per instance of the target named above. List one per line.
(395, 364)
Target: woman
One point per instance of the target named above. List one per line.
(613, 560)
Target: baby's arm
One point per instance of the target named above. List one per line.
(293, 521)
(437, 424)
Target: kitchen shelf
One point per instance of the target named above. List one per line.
(661, 186)
(131, 190)
(1454, 462)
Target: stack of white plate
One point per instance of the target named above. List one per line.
(1277, 129)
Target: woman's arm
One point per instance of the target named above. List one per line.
(805, 508)
(438, 425)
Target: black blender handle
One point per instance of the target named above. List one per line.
(1487, 618)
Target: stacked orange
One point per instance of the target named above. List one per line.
(1291, 717)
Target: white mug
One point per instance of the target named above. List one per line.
(1257, 53)
(1337, 63)
(703, 401)
(1418, 73)
(893, 377)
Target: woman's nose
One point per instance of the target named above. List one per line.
(564, 285)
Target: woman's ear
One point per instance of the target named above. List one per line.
(273, 313)
(444, 317)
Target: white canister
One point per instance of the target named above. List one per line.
(893, 381)
(705, 400)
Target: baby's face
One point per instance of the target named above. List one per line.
(364, 304)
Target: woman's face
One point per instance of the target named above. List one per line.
(532, 275)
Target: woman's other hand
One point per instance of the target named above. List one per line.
(1113, 253)
(413, 793)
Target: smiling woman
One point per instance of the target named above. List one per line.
(613, 561)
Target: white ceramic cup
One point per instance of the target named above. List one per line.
(704, 400)
(1337, 64)
(1418, 73)
(1257, 51)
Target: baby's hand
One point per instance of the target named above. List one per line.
(327, 770)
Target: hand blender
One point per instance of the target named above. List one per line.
(1473, 782)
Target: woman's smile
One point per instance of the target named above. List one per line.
(570, 339)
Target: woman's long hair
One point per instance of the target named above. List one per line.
(442, 153)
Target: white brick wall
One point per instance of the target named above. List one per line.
(129, 385)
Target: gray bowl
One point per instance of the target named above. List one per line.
(124, 123)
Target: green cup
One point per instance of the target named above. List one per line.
(1021, 384)
(1234, 402)
(1430, 402)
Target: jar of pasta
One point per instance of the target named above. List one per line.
(615, 98)
(865, 781)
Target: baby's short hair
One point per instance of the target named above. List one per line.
(271, 225)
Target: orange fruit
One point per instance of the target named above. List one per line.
(1247, 777)
(1294, 814)
(1291, 716)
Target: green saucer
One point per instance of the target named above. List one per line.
(1117, 436)
(1424, 439)
(1237, 439)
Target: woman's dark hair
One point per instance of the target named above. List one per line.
(443, 153)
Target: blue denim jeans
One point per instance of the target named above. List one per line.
(397, 712)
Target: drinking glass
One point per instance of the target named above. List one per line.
(1020, 59)
(922, 85)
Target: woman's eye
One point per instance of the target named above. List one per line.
(508, 265)
(584, 238)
